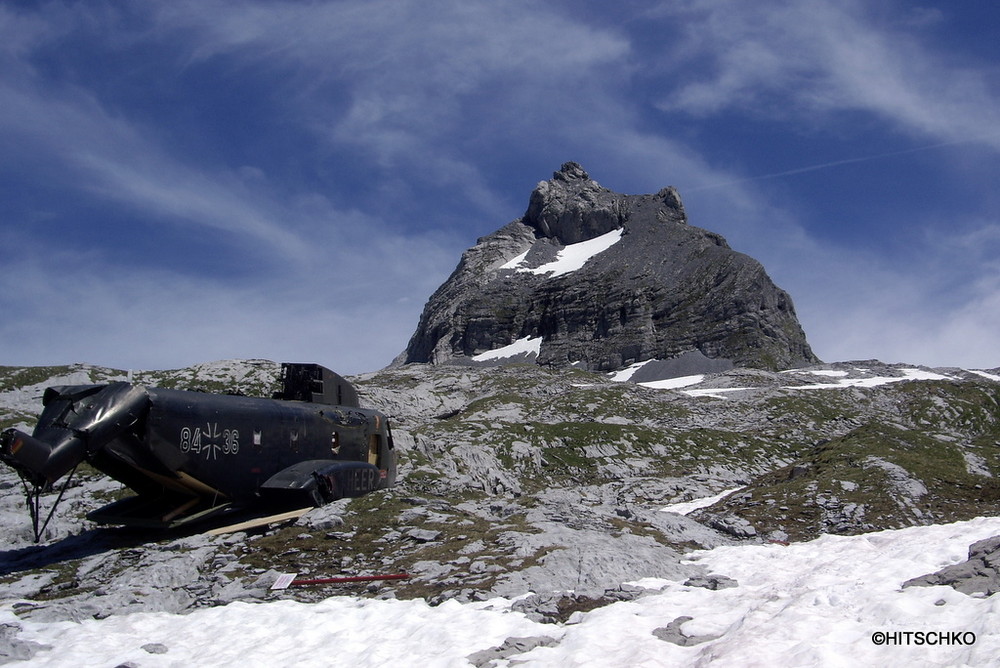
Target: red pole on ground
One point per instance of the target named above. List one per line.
(352, 578)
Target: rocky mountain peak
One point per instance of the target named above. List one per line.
(572, 207)
(593, 278)
(571, 171)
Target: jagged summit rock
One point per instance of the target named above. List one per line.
(601, 280)
(572, 207)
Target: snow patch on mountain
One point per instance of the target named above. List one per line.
(685, 507)
(525, 346)
(569, 258)
(674, 383)
(873, 374)
(873, 381)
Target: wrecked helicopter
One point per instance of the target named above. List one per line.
(189, 456)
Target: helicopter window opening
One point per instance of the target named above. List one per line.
(373, 443)
(293, 439)
(256, 438)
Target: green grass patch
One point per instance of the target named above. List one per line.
(876, 477)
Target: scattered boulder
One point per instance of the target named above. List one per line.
(731, 524)
(510, 647)
(560, 607)
(672, 633)
(325, 517)
(423, 535)
(712, 581)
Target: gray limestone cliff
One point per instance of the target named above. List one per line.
(601, 280)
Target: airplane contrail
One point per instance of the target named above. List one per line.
(837, 163)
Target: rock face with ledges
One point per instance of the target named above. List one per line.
(605, 280)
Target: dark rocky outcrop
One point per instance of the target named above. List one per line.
(980, 574)
(664, 291)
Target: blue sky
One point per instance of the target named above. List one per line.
(184, 181)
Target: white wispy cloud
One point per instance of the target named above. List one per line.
(937, 305)
(416, 85)
(319, 276)
(353, 315)
(803, 57)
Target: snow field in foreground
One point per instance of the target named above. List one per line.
(808, 604)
